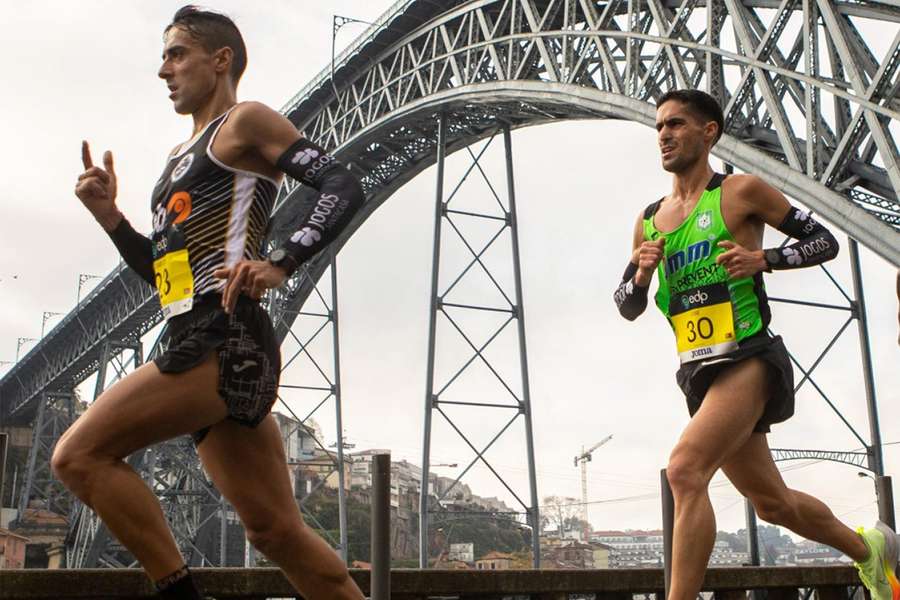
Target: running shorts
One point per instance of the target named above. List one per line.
(248, 351)
(695, 378)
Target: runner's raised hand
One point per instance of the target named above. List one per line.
(96, 188)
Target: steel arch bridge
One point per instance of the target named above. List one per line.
(809, 89)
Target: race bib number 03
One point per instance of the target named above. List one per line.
(175, 283)
(704, 322)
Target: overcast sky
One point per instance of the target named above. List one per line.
(87, 70)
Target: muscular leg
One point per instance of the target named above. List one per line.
(144, 408)
(753, 472)
(249, 467)
(730, 410)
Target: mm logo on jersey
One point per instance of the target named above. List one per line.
(682, 258)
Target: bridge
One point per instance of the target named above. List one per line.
(810, 103)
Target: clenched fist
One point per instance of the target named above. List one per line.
(648, 256)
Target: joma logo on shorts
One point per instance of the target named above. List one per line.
(682, 258)
(701, 352)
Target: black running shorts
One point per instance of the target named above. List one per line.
(695, 378)
(249, 356)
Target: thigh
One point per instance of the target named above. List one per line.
(248, 465)
(733, 404)
(753, 472)
(147, 407)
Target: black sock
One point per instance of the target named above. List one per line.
(178, 586)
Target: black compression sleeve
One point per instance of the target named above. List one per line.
(340, 197)
(630, 298)
(136, 250)
(815, 244)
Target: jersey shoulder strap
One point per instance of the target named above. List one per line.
(715, 181)
(652, 208)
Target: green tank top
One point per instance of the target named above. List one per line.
(709, 313)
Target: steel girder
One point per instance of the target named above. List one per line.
(527, 62)
(122, 308)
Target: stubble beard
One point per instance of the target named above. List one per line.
(682, 163)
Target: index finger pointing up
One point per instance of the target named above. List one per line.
(86, 155)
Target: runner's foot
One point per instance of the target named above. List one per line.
(878, 571)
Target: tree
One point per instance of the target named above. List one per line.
(561, 513)
(736, 541)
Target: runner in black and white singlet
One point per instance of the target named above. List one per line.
(218, 375)
(209, 213)
(704, 241)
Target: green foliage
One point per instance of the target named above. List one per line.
(323, 507)
(487, 533)
(736, 541)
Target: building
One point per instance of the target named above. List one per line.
(12, 550)
(299, 438)
(644, 549)
(462, 552)
(722, 555)
(565, 553)
(812, 553)
(361, 469)
(632, 548)
(46, 532)
(309, 463)
(494, 561)
(601, 552)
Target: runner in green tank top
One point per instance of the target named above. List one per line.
(704, 240)
(709, 311)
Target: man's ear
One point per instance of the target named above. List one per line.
(711, 132)
(223, 57)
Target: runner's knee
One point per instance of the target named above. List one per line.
(271, 534)
(776, 511)
(684, 476)
(278, 536)
(73, 467)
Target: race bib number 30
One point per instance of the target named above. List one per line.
(704, 322)
(175, 283)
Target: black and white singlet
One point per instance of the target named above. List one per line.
(206, 216)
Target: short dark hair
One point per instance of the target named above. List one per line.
(700, 103)
(213, 31)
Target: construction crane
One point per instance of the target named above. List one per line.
(583, 458)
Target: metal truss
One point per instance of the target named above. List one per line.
(855, 309)
(122, 307)
(450, 307)
(855, 459)
(320, 387)
(55, 413)
(611, 59)
(872, 459)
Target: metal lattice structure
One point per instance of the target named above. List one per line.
(56, 412)
(809, 88)
(510, 393)
(319, 388)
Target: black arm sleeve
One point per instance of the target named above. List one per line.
(136, 250)
(815, 244)
(630, 298)
(340, 197)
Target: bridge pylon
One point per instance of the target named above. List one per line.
(477, 315)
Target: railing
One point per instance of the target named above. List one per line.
(780, 583)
